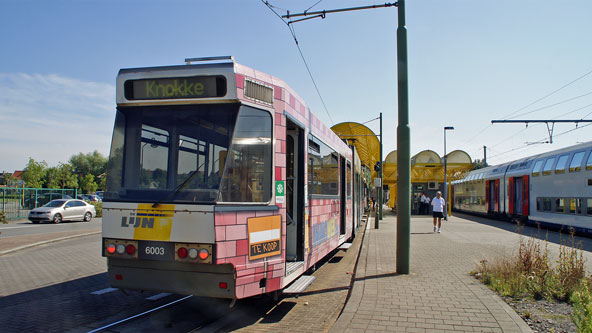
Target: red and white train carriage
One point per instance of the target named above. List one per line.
(222, 183)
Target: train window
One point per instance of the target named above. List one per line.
(561, 162)
(589, 162)
(576, 161)
(537, 168)
(589, 206)
(539, 204)
(572, 205)
(548, 166)
(547, 204)
(560, 205)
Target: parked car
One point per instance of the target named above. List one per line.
(44, 198)
(93, 197)
(100, 194)
(60, 210)
(83, 197)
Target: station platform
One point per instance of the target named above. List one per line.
(439, 294)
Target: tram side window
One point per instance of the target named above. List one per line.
(323, 169)
(115, 164)
(561, 162)
(576, 162)
(154, 157)
(348, 180)
(589, 162)
(548, 166)
(589, 206)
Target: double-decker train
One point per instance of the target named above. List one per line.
(222, 183)
(553, 189)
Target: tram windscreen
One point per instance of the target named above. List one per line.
(181, 154)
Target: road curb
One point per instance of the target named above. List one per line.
(47, 242)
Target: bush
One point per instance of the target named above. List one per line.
(98, 207)
(582, 308)
(3, 217)
(530, 272)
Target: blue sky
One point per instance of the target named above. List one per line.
(469, 62)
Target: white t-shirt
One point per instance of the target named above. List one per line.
(438, 204)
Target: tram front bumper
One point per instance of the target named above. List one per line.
(179, 278)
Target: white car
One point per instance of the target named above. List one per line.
(60, 210)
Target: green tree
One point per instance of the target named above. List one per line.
(94, 164)
(65, 177)
(34, 173)
(51, 178)
(88, 184)
(91, 163)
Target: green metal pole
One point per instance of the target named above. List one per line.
(378, 215)
(403, 150)
(381, 172)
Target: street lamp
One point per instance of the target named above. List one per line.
(446, 128)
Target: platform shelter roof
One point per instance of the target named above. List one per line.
(390, 168)
(364, 139)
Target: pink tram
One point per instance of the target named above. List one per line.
(222, 183)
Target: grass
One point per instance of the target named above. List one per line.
(531, 273)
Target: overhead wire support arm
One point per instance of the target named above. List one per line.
(322, 13)
(546, 122)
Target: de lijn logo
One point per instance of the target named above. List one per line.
(280, 191)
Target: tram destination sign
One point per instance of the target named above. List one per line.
(175, 87)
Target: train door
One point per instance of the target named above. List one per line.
(294, 192)
(525, 195)
(518, 196)
(492, 193)
(342, 195)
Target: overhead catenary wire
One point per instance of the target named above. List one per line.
(539, 109)
(549, 94)
(293, 32)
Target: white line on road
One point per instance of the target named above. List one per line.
(158, 296)
(103, 291)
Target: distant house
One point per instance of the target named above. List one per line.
(16, 179)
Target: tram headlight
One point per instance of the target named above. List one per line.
(120, 248)
(192, 253)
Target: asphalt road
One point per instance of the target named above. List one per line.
(23, 227)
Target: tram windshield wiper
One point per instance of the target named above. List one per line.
(177, 189)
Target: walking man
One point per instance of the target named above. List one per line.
(438, 204)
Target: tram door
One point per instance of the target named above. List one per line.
(342, 197)
(294, 192)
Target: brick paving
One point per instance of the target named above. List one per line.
(439, 295)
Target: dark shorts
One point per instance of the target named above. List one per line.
(438, 214)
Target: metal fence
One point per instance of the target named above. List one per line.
(16, 202)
